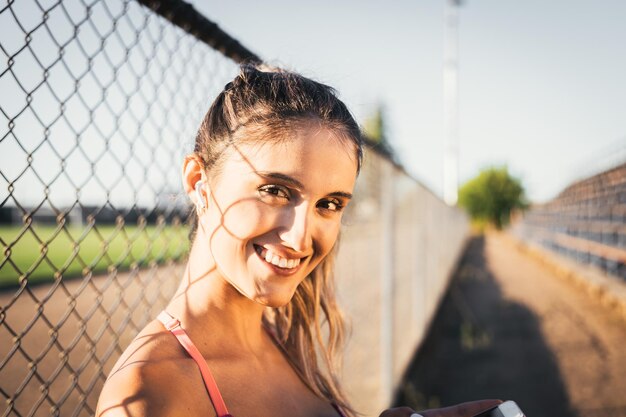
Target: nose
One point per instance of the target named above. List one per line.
(296, 230)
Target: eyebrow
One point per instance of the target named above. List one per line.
(341, 194)
(294, 182)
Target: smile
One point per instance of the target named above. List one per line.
(272, 258)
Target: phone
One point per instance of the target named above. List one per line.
(506, 409)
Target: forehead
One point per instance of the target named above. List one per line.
(315, 157)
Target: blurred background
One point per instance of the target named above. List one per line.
(540, 86)
(484, 256)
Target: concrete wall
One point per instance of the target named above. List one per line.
(398, 248)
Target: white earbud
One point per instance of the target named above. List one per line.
(201, 202)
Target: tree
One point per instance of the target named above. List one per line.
(374, 126)
(491, 196)
(375, 131)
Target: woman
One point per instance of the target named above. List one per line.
(273, 168)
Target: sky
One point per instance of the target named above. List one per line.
(99, 103)
(542, 85)
(542, 88)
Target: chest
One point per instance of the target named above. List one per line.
(265, 390)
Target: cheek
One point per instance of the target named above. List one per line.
(245, 219)
(328, 237)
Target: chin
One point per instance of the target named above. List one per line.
(275, 299)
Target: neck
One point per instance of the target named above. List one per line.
(212, 310)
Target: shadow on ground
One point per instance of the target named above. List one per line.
(483, 346)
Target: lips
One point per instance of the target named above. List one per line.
(280, 262)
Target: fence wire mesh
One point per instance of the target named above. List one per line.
(585, 222)
(98, 101)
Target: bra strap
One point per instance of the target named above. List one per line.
(173, 325)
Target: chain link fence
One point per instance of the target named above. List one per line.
(99, 99)
(586, 222)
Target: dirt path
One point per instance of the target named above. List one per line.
(58, 342)
(509, 328)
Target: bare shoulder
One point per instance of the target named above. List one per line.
(147, 380)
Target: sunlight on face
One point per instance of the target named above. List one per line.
(275, 211)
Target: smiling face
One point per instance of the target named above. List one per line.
(275, 209)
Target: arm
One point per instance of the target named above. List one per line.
(130, 406)
(132, 393)
(123, 395)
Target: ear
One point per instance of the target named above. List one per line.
(193, 172)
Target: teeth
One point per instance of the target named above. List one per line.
(272, 258)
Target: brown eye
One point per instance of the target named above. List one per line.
(274, 191)
(330, 205)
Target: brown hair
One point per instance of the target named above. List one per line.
(265, 104)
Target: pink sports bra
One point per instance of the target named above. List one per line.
(173, 325)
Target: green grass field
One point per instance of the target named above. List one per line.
(78, 250)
